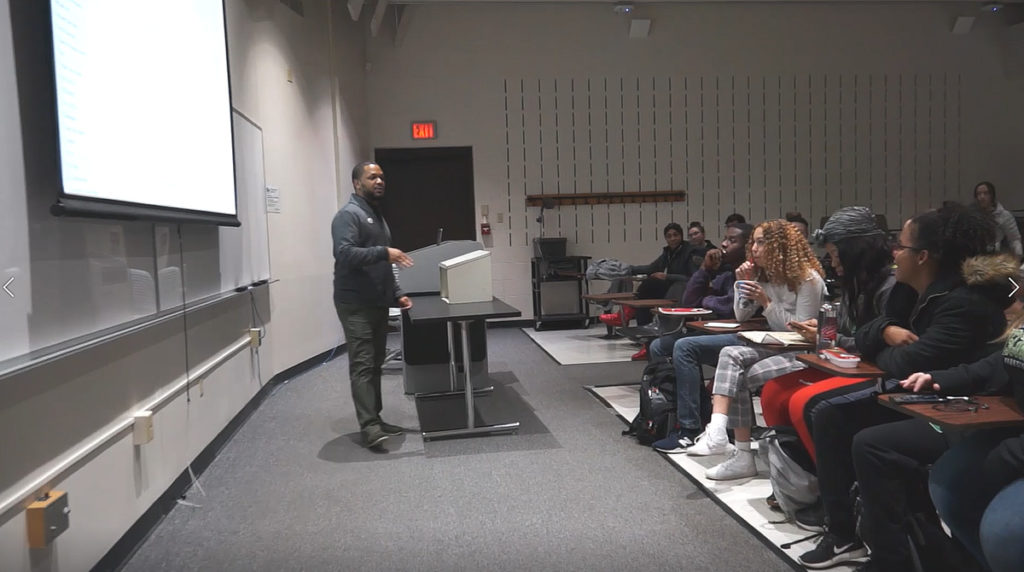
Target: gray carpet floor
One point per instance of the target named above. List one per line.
(294, 490)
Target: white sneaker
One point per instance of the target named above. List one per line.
(739, 465)
(705, 447)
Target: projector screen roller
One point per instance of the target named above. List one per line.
(144, 110)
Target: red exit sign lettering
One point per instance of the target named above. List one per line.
(424, 130)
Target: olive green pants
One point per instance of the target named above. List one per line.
(366, 337)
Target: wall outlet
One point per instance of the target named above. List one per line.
(501, 217)
(142, 429)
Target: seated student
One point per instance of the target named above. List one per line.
(860, 256)
(978, 485)
(800, 222)
(937, 317)
(1006, 226)
(670, 270)
(711, 287)
(668, 274)
(789, 287)
(695, 234)
(735, 218)
(891, 460)
(778, 251)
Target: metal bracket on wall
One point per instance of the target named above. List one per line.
(606, 198)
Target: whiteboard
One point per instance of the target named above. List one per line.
(245, 250)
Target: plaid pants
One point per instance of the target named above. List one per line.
(742, 368)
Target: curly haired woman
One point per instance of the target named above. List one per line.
(783, 277)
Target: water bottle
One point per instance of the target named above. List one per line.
(828, 326)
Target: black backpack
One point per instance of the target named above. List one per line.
(657, 416)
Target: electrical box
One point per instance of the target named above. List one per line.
(142, 429)
(47, 518)
(467, 278)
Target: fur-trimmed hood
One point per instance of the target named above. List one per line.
(990, 275)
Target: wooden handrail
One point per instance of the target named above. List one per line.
(606, 198)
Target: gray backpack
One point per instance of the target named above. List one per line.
(790, 470)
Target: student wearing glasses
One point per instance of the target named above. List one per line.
(941, 313)
(783, 278)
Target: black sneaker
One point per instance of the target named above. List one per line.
(673, 444)
(374, 436)
(832, 550)
(811, 518)
(390, 429)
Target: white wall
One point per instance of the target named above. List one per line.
(49, 411)
(848, 103)
(282, 78)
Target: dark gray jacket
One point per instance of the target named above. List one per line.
(362, 273)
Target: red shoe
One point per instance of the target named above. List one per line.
(640, 355)
(612, 320)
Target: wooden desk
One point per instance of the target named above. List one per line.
(863, 369)
(1002, 412)
(608, 297)
(648, 304)
(748, 326)
(781, 348)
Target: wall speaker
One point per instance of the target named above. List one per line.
(639, 28)
(963, 24)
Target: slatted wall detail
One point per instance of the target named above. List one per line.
(758, 145)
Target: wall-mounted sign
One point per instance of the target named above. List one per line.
(424, 130)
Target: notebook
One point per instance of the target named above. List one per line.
(722, 324)
(775, 338)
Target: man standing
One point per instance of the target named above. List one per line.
(364, 287)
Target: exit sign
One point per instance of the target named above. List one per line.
(424, 130)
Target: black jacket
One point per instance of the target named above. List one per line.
(1005, 463)
(678, 265)
(955, 319)
(362, 273)
(986, 376)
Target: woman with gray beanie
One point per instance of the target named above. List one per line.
(862, 259)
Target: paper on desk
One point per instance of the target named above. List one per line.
(721, 325)
(775, 338)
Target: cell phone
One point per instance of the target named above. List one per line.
(919, 398)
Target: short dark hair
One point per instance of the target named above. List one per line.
(672, 226)
(358, 170)
(745, 229)
(795, 216)
(735, 218)
(991, 189)
(696, 224)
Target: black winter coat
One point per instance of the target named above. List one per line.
(956, 319)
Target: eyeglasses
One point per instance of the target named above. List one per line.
(897, 247)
